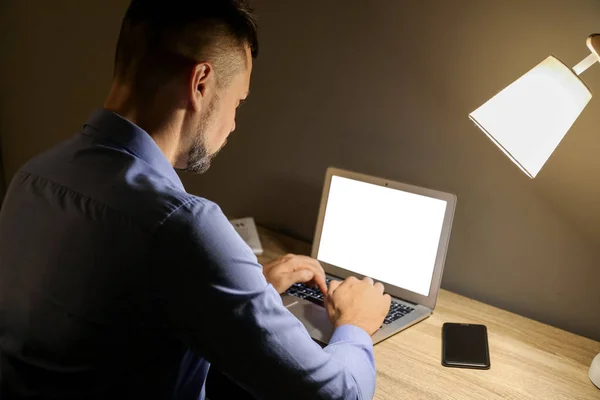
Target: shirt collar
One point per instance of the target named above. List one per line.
(108, 126)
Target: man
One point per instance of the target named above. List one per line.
(116, 283)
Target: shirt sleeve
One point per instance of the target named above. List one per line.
(215, 299)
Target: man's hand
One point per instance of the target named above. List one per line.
(359, 303)
(287, 270)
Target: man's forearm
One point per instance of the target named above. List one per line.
(353, 347)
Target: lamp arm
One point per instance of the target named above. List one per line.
(585, 64)
(593, 43)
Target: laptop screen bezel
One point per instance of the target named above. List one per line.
(395, 291)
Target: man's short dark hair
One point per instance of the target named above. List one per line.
(160, 36)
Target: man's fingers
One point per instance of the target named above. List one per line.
(313, 265)
(322, 284)
(312, 262)
(316, 275)
(301, 275)
(379, 287)
(320, 281)
(332, 286)
(388, 299)
(367, 279)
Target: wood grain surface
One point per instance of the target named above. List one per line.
(530, 360)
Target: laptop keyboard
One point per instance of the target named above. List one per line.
(314, 295)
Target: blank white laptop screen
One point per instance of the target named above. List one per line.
(387, 234)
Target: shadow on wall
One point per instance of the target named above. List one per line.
(291, 191)
(270, 201)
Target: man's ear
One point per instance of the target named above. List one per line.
(201, 84)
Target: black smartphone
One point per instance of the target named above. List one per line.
(465, 346)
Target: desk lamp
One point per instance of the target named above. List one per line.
(529, 118)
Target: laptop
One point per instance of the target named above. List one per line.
(394, 233)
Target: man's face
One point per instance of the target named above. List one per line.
(217, 120)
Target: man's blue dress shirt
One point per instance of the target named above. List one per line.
(116, 283)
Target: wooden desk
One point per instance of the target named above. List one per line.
(530, 360)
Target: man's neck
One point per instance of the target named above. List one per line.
(164, 131)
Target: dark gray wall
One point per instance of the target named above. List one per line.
(55, 68)
(380, 87)
(2, 183)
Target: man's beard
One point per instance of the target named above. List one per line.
(198, 158)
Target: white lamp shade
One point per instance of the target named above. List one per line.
(529, 118)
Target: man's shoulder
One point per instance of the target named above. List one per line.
(111, 178)
(194, 212)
